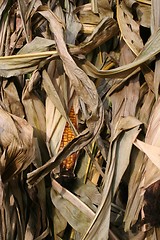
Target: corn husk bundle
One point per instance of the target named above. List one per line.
(79, 120)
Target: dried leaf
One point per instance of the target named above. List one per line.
(60, 224)
(23, 10)
(76, 212)
(151, 151)
(144, 13)
(34, 108)
(149, 51)
(3, 5)
(105, 30)
(100, 225)
(129, 28)
(105, 8)
(155, 25)
(73, 26)
(17, 142)
(11, 100)
(86, 15)
(88, 194)
(135, 199)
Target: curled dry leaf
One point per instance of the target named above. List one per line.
(16, 142)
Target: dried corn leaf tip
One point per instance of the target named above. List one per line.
(68, 164)
(152, 205)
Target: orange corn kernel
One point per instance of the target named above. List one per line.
(68, 135)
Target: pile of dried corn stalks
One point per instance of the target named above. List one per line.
(79, 119)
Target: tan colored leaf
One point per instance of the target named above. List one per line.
(152, 138)
(28, 58)
(135, 199)
(144, 13)
(60, 224)
(129, 28)
(11, 100)
(153, 152)
(155, 11)
(17, 142)
(105, 30)
(33, 106)
(57, 106)
(38, 44)
(73, 26)
(72, 209)
(23, 7)
(117, 161)
(87, 193)
(105, 8)
(86, 15)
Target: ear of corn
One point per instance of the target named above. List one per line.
(68, 164)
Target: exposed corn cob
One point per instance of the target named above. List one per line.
(68, 164)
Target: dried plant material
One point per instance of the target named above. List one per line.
(152, 137)
(60, 224)
(3, 5)
(155, 19)
(82, 85)
(32, 102)
(10, 99)
(155, 25)
(135, 200)
(131, 3)
(105, 8)
(100, 59)
(144, 13)
(151, 175)
(98, 227)
(105, 30)
(27, 59)
(23, 10)
(80, 215)
(139, 236)
(38, 44)
(88, 192)
(129, 28)
(151, 151)
(17, 143)
(118, 161)
(86, 15)
(148, 52)
(73, 26)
